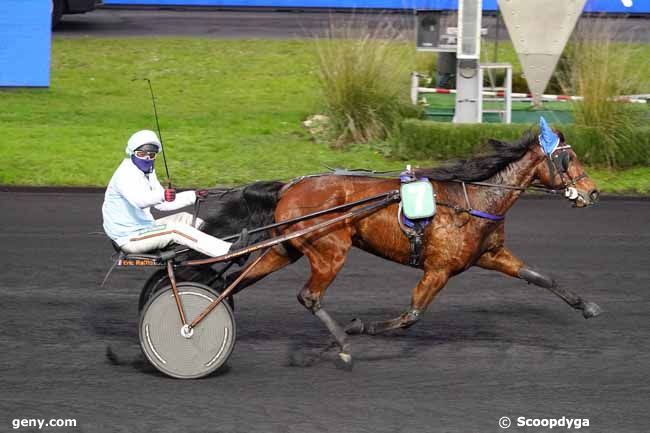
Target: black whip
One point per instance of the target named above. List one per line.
(162, 145)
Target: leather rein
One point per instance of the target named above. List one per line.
(553, 168)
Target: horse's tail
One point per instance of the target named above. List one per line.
(229, 210)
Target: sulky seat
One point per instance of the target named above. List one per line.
(158, 258)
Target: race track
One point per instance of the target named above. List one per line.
(488, 346)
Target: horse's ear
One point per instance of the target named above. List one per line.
(559, 133)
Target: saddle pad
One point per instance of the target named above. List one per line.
(418, 199)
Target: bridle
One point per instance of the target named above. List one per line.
(559, 162)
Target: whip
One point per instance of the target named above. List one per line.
(162, 145)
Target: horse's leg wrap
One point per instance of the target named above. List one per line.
(589, 309)
(334, 328)
(405, 320)
(312, 304)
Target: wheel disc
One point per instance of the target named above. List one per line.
(184, 353)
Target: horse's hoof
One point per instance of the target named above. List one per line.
(591, 309)
(344, 361)
(355, 327)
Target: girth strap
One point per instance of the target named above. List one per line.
(415, 236)
(414, 233)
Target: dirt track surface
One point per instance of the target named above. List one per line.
(488, 346)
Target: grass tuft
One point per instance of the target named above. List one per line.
(600, 70)
(364, 77)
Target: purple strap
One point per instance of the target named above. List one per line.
(411, 223)
(487, 216)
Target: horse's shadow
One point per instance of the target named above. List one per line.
(116, 323)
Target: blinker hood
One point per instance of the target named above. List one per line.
(548, 139)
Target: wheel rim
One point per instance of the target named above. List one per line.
(184, 354)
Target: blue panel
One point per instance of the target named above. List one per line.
(25, 38)
(617, 6)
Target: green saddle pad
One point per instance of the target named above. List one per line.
(418, 199)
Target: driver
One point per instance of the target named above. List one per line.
(134, 188)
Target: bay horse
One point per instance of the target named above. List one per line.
(454, 241)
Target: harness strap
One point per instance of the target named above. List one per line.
(414, 235)
(473, 212)
(486, 215)
(197, 207)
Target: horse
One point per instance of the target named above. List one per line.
(455, 240)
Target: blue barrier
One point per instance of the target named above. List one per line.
(25, 35)
(608, 6)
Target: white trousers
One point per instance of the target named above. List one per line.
(178, 229)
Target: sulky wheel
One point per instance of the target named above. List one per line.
(182, 354)
(160, 279)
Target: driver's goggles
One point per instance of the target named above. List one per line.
(142, 154)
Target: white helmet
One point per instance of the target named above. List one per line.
(141, 138)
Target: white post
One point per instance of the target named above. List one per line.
(468, 88)
(508, 94)
(415, 83)
(479, 99)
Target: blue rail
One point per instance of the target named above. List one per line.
(608, 6)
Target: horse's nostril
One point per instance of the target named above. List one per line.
(594, 195)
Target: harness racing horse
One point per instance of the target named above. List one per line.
(457, 238)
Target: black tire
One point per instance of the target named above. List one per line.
(160, 279)
(57, 12)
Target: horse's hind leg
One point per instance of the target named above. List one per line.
(430, 284)
(502, 260)
(326, 258)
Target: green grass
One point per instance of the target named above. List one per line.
(631, 181)
(230, 113)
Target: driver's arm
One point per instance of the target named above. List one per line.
(185, 198)
(138, 196)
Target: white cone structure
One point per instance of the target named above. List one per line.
(539, 30)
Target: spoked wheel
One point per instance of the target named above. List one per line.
(182, 353)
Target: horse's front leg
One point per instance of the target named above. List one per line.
(502, 260)
(430, 284)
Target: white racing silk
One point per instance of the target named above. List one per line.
(128, 199)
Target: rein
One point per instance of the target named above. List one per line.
(386, 199)
(386, 196)
(538, 188)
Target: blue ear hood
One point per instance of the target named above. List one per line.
(547, 138)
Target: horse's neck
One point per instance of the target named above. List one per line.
(519, 173)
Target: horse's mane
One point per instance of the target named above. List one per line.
(229, 210)
(481, 167)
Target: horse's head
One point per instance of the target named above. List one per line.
(560, 168)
